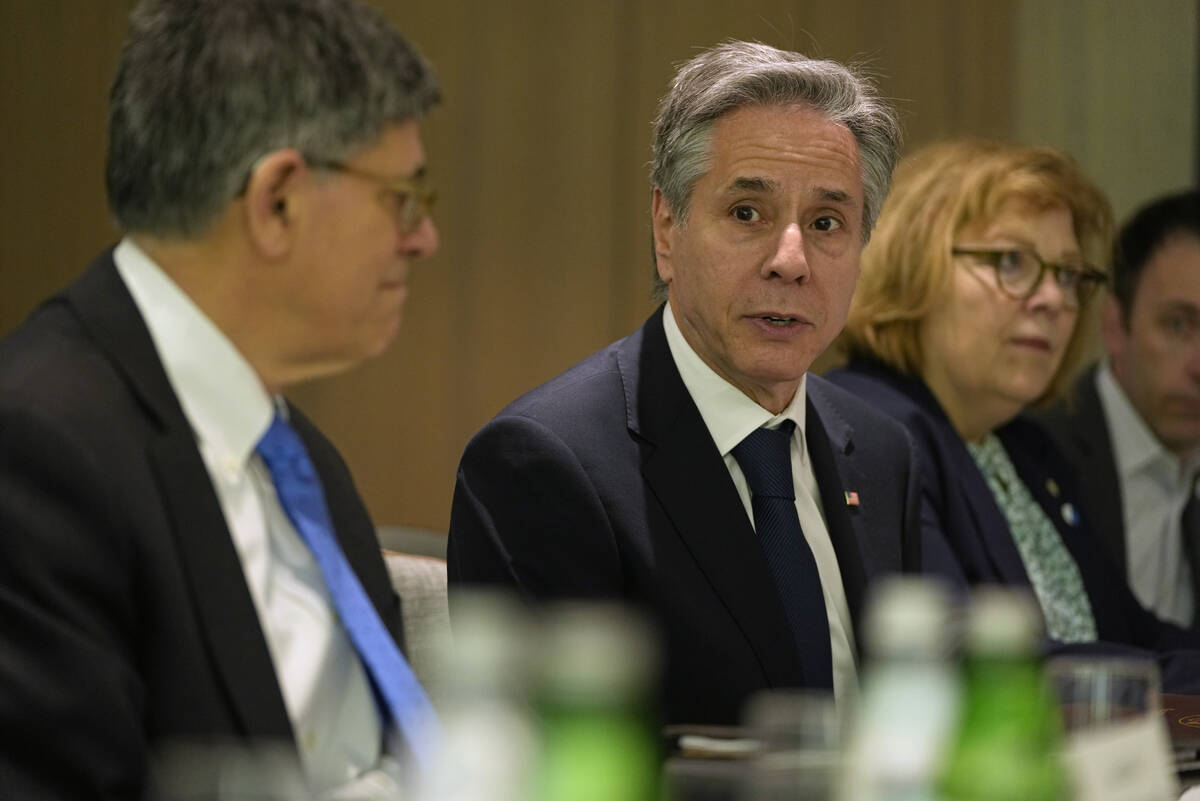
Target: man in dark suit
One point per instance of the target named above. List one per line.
(1131, 427)
(643, 475)
(164, 602)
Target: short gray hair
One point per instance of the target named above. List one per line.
(736, 74)
(205, 88)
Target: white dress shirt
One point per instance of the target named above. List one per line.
(324, 685)
(731, 416)
(1155, 486)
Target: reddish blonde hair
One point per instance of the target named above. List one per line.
(936, 193)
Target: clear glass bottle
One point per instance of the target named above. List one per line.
(488, 747)
(909, 703)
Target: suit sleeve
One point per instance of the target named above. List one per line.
(937, 556)
(527, 516)
(71, 700)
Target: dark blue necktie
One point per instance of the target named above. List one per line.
(396, 687)
(765, 459)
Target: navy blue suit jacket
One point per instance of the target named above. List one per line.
(1078, 426)
(126, 625)
(966, 535)
(605, 483)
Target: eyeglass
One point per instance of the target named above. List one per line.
(413, 198)
(1019, 273)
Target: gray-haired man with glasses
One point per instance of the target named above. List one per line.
(189, 583)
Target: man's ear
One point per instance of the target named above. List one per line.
(271, 202)
(665, 224)
(1112, 328)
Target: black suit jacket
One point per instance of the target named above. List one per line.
(976, 544)
(1079, 429)
(126, 624)
(605, 483)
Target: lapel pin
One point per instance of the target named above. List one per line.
(1069, 514)
(1052, 487)
(851, 498)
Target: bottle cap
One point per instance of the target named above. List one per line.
(1003, 620)
(599, 652)
(908, 616)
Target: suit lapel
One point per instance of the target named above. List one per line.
(1100, 482)
(687, 475)
(830, 445)
(963, 476)
(223, 604)
(209, 559)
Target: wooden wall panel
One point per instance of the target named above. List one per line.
(56, 63)
(540, 153)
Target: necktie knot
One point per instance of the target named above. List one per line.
(765, 457)
(282, 450)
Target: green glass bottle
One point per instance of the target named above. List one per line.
(1008, 745)
(597, 733)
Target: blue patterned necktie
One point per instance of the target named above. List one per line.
(765, 459)
(397, 690)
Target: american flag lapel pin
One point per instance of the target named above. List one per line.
(851, 498)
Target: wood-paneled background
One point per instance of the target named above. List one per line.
(540, 153)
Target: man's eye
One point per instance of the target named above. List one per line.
(1177, 325)
(745, 214)
(827, 223)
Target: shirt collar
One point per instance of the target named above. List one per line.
(728, 413)
(221, 395)
(1135, 448)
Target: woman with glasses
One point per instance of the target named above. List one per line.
(975, 303)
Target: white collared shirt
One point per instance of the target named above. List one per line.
(730, 416)
(324, 685)
(1155, 486)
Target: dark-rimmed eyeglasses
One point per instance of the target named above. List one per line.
(1019, 273)
(413, 198)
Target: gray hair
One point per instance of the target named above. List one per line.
(736, 74)
(205, 88)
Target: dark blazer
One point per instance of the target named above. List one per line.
(1079, 429)
(605, 483)
(126, 624)
(977, 545)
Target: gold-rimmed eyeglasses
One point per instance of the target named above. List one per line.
(1019, 273)
(413, 198)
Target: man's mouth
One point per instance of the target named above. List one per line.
(778, 321)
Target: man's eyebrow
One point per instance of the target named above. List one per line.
(752, 184)
(833, 195)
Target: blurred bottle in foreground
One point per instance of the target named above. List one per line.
(598, 734)
(489, 743)
(910, 696)
(1008, 746)
(800, 738)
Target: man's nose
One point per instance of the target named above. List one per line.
(788, 260)
(423, 241)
